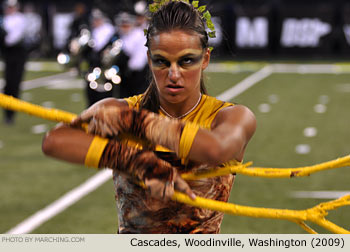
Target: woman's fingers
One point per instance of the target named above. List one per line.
(105, 130)
(92, 127)
(182, 186)
(168, 190)
(100, 120)
(159, 190)
(76, 122)
(84, 117)
(165, 190)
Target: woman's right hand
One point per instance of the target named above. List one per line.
(102, 118)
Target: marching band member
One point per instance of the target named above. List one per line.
(14, 52)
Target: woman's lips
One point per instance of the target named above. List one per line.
(174, 88)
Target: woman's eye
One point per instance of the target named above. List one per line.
(159, 62)
(187, 61)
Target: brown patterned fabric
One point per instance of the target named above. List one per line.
(134, 163)
(140, 213)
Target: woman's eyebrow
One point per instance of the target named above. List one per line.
(195, 55)
(157, 53)
(183, 53)
(157, 56)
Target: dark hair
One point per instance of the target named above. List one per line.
(171, 16)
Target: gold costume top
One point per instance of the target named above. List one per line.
(139, 213)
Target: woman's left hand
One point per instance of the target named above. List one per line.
(165, 190)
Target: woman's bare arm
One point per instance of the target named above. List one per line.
(69, 143)
(231, 131)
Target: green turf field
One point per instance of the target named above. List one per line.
(284, 104)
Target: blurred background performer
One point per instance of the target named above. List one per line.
(102, 33)
(13, 51)
(33, 36)
(140, 9)
(135, 72)
(80, 22)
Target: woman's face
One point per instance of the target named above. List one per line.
(177, 60)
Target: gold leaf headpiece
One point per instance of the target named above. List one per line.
(157, 4)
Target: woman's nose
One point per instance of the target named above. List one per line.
(174, 73)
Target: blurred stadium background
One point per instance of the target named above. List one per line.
(293, 56)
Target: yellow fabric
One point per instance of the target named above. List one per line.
(95, 151)
(134, 101)
(203, 115)
(206, 111)
(187, 137)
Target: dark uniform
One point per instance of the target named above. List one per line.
(14, 52)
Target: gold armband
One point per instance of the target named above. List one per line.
(95, 151)
(187, 137)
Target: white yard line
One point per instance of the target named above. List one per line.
(309, 68)
(319, 194)
(281, 68)
(46, 81)
(248, 82)
(62, 203)
(37, 66)
(101, 177)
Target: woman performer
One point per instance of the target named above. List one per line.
(183, 130)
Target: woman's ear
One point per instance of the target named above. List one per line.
(206, 59)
